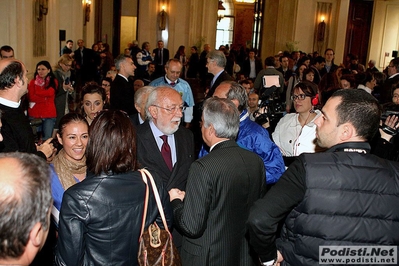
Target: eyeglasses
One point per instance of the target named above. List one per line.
(172, 110)
(105, 85)
(298, 97)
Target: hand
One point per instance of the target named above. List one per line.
(279, 258)
(47, 148)
(67, 87)
(392, 122)
(176, 193)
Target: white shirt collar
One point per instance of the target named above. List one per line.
(213, 146)
(10, 103)
(393, 75)
(119, 74)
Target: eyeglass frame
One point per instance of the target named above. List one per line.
(172, 110)
(300, 97)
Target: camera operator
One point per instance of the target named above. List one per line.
(386, 143)
(270, 110)
(253, 99)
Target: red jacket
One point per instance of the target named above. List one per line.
(42, 100)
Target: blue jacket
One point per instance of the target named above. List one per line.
(255, 138)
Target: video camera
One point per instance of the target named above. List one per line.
(389, 110)
(270, 101)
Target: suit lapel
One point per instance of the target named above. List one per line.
(153, 149)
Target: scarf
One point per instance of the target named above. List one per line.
(66, 169)
(41, 81)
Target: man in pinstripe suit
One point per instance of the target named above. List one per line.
(221, 187)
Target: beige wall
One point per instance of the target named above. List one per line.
(16, 20)
(187, 22)
(384, 35)
(191, 20)
(296, 21)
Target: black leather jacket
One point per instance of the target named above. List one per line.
(100, 219)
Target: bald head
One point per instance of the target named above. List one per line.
(5, 62)
(25, 195)
(222, 90)
(10, 173)
(234, 92)
(13, 79)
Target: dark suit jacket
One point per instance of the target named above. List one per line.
(88, 69)
(287, 74)
(221, 188)
(222, 77)
(247, 67)
(122, 95)
(160, 69)
(323, 71)
(148, 155)
(157, 58)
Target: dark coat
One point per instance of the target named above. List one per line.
(222, 77)
(247, 67)
(221, 188)
(350, 204)
(149, 155)
(122, 95)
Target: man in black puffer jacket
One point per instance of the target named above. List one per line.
(344, 196)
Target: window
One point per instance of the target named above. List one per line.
(224, 31)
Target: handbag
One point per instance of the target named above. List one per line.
(156, 246)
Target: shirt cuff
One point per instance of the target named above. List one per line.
(188, 114)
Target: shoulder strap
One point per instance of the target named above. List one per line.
(145, 202)
(145, 173)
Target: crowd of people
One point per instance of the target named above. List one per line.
(276, 159)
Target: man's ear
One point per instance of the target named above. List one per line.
(36, 236)
(236, 103)
(137, 107)
(347, 131)
(153, 111)
(18, 81)
(211, 130)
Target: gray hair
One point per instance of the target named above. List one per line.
(119, 60)
(152, 100)
(237, 92)
(27, 199)
(223, 115)
(218, 57)
(140, 93)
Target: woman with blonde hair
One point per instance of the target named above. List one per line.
(65, 78)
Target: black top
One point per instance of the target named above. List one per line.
(17, 132)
